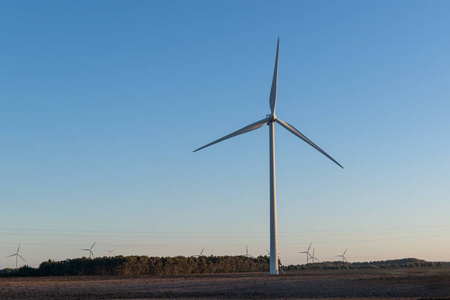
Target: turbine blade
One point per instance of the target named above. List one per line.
(12, 255)
(344, 252)
(18, 249)
(273, 90)
(93, 244)
(309, 246)
(248, 128)
(21, 257)
(293, 130)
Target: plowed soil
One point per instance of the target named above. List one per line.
(414, 283)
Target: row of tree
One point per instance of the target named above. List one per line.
(180, 265)
(144, 265)
(397, 263)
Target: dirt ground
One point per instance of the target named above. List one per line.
(418, 283)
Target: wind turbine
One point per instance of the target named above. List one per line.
(343, 256)
(246, 252)
(313, 257)
(17, 255)
(200, 253)
(308, 255)
(90, 250)
(270, 120)
(109, 251)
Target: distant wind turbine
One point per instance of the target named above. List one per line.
(270, 120)
(313, 257)
(17, 255)
(110, 251)
(90, 250)
(246, 252)
(308, 255)
(343, 256)
(200, 253)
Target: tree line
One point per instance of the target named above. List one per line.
(181, 265)
(144, 265)
(396, 263)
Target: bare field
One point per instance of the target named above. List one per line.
(416, 283)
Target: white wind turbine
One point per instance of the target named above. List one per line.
(90, 250)
(343, 256)
(270, 120)
(198, 255)
(17, 255)
(308, 255)
(246, 252)
(109, 251)
(313, 257)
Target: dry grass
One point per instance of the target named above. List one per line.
(415, 283)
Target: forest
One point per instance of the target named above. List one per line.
(144, 265)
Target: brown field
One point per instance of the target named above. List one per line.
(415, 283)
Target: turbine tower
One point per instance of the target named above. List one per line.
(279, 258)
(270, 119)
(17, 255)
(313, 257)
(246, 252)
(90, 250)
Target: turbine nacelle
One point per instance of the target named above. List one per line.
(271, 118)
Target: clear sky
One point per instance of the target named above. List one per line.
(103, 102)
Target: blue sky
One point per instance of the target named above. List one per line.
(103, 102)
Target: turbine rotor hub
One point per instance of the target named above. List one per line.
(271, 117)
